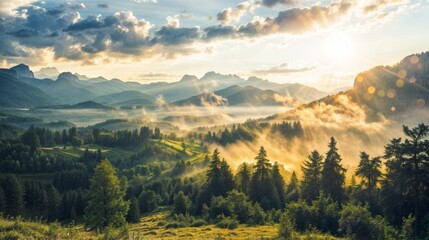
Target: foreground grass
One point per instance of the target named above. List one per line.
(150, 227)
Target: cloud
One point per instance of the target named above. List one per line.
(68, 36)
(156, 76)
(271, 3)
(8, 8)
(173, 22)
(298, 20)
(376, 5)
(146, 1)
(229, 15)
(103, 5)
(220, 31)
(168, 35)
(282, 69)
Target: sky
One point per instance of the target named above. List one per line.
(323, 44)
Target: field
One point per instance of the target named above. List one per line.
(148, 228)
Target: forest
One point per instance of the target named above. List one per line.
(386, 198)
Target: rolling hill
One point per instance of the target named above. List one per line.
(126, 98)
(17, 94)
(239, 96)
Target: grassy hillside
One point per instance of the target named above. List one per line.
(151, 226)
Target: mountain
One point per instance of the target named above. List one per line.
(126, 99)
(400, 91)
(48, 72)
(239, 96)
(23, 71)
(294, 90)
(74, 88)
(394, 89)
(17, 94)
(81, 105)
(88, 105)
(212, 81)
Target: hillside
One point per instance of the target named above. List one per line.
(127, 98)
(71, 88)
(239, 96)
(379, 93)
(16, 94)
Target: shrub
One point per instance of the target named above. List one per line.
(301, 213)
(355, 222)
(175, 225)
(198, 223)
(286, 227)
(258, 215)
(228, 222)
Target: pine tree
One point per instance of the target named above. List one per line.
(312, 170)
(133, 215)
(292, 190)
(262, 188)
(227, 178)
(14, 195)
(106, 205)
(214, 182)
(31, 139)
(279, 184)
(53, 203)
(333, 174)
(243, 178)
(406, 184)
(369, 170)
(182, 204)
(2, 200)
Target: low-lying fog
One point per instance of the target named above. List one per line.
(183, 117)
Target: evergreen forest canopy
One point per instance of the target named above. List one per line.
(387, 197)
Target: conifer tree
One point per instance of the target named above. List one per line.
(106, 206)
(333, 174)
(292, 190)
(370, 171)
(14, 195)
(214, 181)
(182, 203)
(312, 171)
(53, 202)
(227, 178)
(133, 215)
(262, 188)
(243, 178)
(279, 184)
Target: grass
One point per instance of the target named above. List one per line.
(151, 226)
(110, 153)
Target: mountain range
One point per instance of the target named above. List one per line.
(69, 88)
(239, 96)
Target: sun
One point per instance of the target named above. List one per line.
(339, 47)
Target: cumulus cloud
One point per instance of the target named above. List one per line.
(271, 3)
(229, 14)
(103, 5)
(298, 20)
(8, 8)
(281, 69)
(68, 36)
(376, 5)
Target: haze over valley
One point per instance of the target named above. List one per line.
(256, 119)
